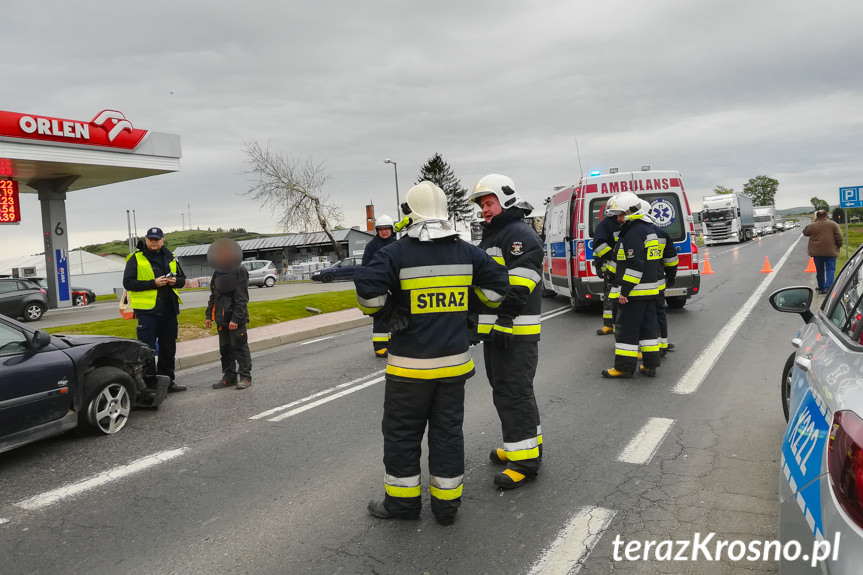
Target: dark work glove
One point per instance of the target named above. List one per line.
(501, 333)
(472, 325)
(597, 266)
(670, 281)
(399, 320)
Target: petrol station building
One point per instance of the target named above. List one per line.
(52, 157)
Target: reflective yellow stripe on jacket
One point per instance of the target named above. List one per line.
(521, 325)
(431, 368)
(146, 299)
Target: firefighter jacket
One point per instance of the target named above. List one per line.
(604, 238)
(428, 282)
(669, 256)
(374, 246)
(638, 261)
(229, 297)
(514, 244)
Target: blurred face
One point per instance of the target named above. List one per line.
(154, 245)
(385, 232)
(490, 207)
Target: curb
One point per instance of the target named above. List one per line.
(212, 355)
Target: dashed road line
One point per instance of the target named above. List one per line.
(645, 443)
(328, 399)
(317, 340)
(695, 375)
(569, 550)
(59, 494)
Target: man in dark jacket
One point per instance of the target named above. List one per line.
(604, 238)
(228, 309)
(152, 278)
(511, 331)
(825, 239)
(384, 236)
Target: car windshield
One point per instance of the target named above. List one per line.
(717, 215)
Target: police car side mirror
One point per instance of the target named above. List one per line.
(793, 300)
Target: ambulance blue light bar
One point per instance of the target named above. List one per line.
(595, 173)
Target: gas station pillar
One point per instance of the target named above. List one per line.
(52, 197)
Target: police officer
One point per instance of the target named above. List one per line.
(638, 276)
(511, 332)
(419, 286)
(152, 278)
(384, 236)
(669, 265)
(604, 238)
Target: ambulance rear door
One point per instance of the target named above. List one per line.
(557, 242)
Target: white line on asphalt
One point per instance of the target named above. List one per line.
(695, 375)
(269, 412)
(57, 495)
(317, 340)
(568, 552)
(314, 404)
(645, 443)
(554, 313)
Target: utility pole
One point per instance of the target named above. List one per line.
(129, 225)
(183, 216)
(135, 224)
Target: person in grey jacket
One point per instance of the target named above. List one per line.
(228, 309)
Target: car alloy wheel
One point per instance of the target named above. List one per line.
(270, 282)
(80, 301)
(109, 409)
(33, 312)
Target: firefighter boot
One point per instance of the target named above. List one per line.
(648, 371)
(379, 509)
(605, 330)
(615, 374)
(498, 456)
(381, 353)
(513, 477)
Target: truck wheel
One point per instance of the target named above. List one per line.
(108, 401)
(676, 302)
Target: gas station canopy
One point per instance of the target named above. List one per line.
(51, 156)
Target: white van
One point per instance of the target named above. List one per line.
(573, 212)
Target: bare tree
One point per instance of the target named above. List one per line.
(294, 189)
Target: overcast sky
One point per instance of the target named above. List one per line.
(720, 90)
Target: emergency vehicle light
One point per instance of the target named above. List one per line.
(595, 173)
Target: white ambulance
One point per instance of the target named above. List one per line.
(573, 212)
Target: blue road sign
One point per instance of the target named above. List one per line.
(851, 197)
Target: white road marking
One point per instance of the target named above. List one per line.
(317, 340)
(645, 443)
(571, 547)
(314, 404)
(270, 412)
(554, 313)
(695, 375)
(56, 495)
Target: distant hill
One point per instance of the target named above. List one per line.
(176, 240)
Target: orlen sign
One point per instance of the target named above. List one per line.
(108, 129)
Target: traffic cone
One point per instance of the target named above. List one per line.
(810, 269)
(707, 269)
(766, 269)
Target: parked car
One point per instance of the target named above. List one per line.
(22, 298)
(52, 383)
(261, 272)
(78, 293)
(341, 270)
(821, 482)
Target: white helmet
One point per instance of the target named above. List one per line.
(503, 188)
(610, 211)
(625, 203)
(384, 221)
(425, 201)
(645, 211)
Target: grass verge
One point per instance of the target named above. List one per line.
(191, 321)
(854, 239)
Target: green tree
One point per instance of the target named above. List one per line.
(437, 171)
(820, 204)
(762, 190)
(839, 216)
(722, 190)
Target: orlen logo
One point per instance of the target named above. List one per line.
(113, 122)
(108, 128)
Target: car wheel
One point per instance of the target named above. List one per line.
(676, 302)
(327, 278)
(548, 293)
(579, 306)
(109, 401)
(270, 282)
(80, 300)
(33, 311)
(787, 375)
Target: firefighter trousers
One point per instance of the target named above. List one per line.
(609, 305)
(510, 373)
(408, 409)
(637, 329)
(662, 320)
(380, 335)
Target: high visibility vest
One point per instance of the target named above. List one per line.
(146, 299)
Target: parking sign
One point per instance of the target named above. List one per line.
(851, 197)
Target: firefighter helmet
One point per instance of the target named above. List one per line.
(384, 221)
(645, 210)
(502, 188)
(425, 201)
(625, 203)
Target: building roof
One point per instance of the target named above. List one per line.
(273, 243)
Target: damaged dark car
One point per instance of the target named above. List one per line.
(50, 384)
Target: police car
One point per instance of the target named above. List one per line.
(821, 482)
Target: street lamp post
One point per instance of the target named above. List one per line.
(398, 201)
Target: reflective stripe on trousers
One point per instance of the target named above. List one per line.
(402, 486)
(446, 488)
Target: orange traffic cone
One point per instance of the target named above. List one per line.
(766, 269)
(707, 269)
(810, 269)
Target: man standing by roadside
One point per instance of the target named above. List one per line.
(825, 239)
(604, 239)
(228, 308)
(152, 278)
(384, 236)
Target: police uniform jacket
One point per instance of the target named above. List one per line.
(160, 261)
(429, 281)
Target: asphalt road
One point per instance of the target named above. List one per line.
(230, 494)
(193, 298)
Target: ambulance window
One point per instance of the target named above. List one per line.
(667, 214)
(597, 213)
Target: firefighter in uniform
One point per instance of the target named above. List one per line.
(384, 236)
(669, 264)
(420, 287)
(604, 238)
(638, 277)
(511, 332)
